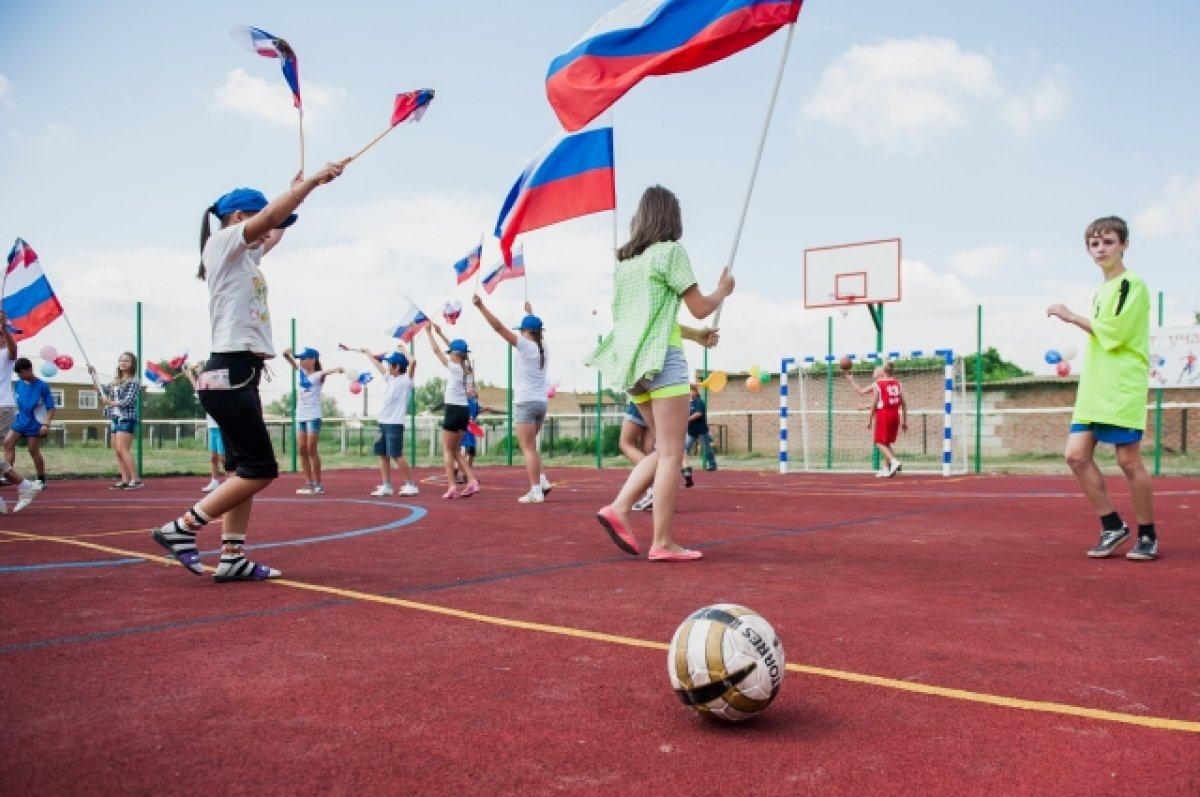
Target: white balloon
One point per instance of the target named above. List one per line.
(1069, 352)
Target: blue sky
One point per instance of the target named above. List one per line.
(985, 136)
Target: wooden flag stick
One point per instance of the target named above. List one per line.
(373, 142)
(301, 112)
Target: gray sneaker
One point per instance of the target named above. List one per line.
(646, 502)
(1145, 550)
(1109, 542)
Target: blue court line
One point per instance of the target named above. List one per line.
(415, 514)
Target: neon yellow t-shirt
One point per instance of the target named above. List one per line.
(1114, 382)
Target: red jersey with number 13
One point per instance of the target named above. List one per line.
(887, 394)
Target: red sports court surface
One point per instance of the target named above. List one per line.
(944, 637)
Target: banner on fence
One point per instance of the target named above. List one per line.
(1173, 352)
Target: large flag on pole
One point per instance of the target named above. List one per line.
(572, 176)
(411, 323)
(643, 38)
(259, 41)
(29, 301)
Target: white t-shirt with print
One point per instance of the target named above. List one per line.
(456, 387)
(530, 382)
(237, 294)
(7, 399)
(308, 399)
(396, 392)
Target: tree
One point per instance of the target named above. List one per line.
(178, 400)
(429, 395)
(995, 367)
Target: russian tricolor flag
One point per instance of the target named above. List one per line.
(411, 106)
(411, 323)
(506, 271)
(641, 38)
(572, 176)
(258, 41)
(29, 301)
(466, 268)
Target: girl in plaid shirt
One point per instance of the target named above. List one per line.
(120, 405)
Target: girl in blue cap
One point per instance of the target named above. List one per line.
(531, 386)
(228, 386)
(460, 386)
(308, 414)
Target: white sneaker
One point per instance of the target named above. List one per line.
(25, 497)
(883, 474)
(383, 490)
(646, 502)
(318, 489)
(546, 486)
(409, 489)
(3, 507)
(212, 485)
(305, 490)
(894, 468)
(532, 497)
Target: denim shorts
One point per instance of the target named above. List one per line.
(634, 416)
(529, 412)
(671, 381)
(228, 391)
(309, 427)
(123, 425)
(390, 442)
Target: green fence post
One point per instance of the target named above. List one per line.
(509, 404)
(412, 411)
(138, 343)
(1158, 408)
(978, 388)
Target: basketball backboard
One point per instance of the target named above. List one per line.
(861, 273)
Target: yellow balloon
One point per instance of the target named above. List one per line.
(755, 370)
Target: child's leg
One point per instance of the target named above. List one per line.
(667, 419)
(314, 455)
(527, 437)
(385, 470)
(35, 453)
(305, 462)
(450, 455)
(402, 466)
(122, 441)
(1080, 456)
(1129, 458)
(10, 446)
(216, 465)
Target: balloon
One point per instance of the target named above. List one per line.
(715, 381)
(552, 392)
(755, 370)
(1053, 357)
(49, 369)
(752, 384)
(356, 388)
(48, 353)
(1063, 368)
(765, 377)
(64, 361)
(1069, 353)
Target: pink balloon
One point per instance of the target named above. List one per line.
(355, 388)
(48, 353)
(551, 392)
(1063, 368)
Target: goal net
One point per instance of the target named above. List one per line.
(823, 419)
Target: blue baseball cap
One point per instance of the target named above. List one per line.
(250, 200)
(395, 358)
(308, 353)
(458, 345)
(530, 323)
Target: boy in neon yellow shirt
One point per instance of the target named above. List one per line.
(1110, 406)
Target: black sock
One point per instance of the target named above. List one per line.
(1147, 530)
(1111, 521)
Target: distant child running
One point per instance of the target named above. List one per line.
(1110, 402)
(35, 412)
(26, 490)
(889, 414)
(8, 356)
(460, 385)
(531, 387)
(308, 415)
(228, 387)
(398, 373)
(120, 404)
(643, 356)
(216, 449)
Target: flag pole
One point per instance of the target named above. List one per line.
(301, 112)
(762, 141)
(373, 142)
(79, 343)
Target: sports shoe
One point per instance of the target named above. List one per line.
(1145, 550)
(383, 490)
(242, 569)
(646, 502)
(532, 498)
(1109, 542)
(471, 488)
(687, 477)
(451, 493)
(318, 489)
(180, 547)
(212, 485)
(120, 486)
(546, 486)
(25, 497)
(305, 490)
(133, 485)
(41, 483)
(409, 489)
(894, 468)
(667, 555)
(883, 474)
(711, 466)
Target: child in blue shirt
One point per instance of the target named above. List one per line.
(35, 411)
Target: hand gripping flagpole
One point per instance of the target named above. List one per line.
(762, 141)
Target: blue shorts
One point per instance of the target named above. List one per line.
(214, 441)
(634, 416)
(309, 427)
(1105, 433)
(123, 425)
(27, 427)
(390, 442)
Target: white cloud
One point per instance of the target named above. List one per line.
(272, 100)
(6, 92)
(905, 95)
(985, 261)
(1176, 211)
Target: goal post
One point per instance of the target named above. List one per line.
(823, 425)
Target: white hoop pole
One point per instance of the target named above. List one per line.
(762, 141)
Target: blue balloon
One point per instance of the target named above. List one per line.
(1053, 357)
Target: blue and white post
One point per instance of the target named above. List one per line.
(783, 413)
(947, 425)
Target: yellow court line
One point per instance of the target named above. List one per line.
(1159, 723)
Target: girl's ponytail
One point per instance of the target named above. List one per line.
(536, 334)
(202, 273)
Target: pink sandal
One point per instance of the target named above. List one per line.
(617, 531)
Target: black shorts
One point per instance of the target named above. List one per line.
(456, 418)
(229, 393)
